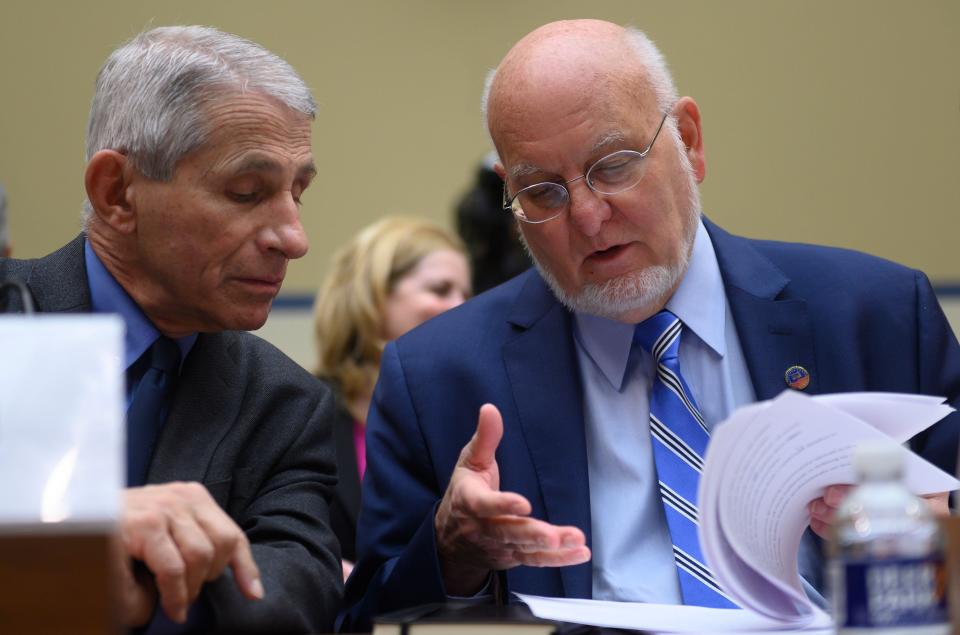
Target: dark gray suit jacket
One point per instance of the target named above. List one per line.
(256, 430)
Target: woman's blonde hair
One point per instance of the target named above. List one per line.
(349, 309)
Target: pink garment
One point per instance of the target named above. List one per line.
(360, 445)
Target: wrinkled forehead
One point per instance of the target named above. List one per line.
(254, 132)
(536, 130)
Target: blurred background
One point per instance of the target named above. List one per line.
(827, 121)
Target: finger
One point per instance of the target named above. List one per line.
(162, 557)
(136, 595)
(835, 494)
(479, 453)
(196, 549)
(561, 544)
(482, 502)
(536, 534)
(559, 558)
(222, 532)
(525, 534)
(820, 510)
(245, 570)
(939, 503)
(820, 528)
(571, 538)
(506, 558)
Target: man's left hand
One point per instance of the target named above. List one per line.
(823, 510)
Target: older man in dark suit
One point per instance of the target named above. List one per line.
(198, 152)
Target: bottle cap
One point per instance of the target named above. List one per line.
(878, 459)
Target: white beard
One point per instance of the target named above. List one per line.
(645, 289)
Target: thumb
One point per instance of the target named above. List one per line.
(479, 452)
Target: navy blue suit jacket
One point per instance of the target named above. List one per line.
(855, 322)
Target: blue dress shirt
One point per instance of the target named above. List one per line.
(107, 296)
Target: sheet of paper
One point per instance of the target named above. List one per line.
(763, 465)
(61, 418)
(664, 618)
(897, 415)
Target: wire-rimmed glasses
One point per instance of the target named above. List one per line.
(612, 174)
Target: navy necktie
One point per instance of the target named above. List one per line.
(150, 400)
(679, 444)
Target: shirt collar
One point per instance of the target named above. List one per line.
(699, 301)
(107, 296)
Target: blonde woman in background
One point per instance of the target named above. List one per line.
(389, 278)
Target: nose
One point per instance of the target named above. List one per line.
(588, 210)
(284, 231)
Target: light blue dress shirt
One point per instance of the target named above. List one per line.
(632, 550)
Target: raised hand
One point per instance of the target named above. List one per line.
(480, 529)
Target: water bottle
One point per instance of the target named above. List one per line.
(886, 560)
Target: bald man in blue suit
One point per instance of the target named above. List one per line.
(553, 491)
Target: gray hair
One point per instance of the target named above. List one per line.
(4, 236)
(152, 92)
(649, 57)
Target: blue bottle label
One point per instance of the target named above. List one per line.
(894, 592)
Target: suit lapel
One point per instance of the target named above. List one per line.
(206, 404)
(774, 331)
(543, 371)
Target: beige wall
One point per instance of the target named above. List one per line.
(829, 121)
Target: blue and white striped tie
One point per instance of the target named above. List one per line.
(680, 442)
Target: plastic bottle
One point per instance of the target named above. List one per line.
(886, 564)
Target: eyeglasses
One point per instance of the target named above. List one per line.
(615, 173)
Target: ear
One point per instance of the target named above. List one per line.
(688, 122)
(501, 172)
(107, 179)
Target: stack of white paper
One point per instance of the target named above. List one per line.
(663, 618)
(763, 466)
(769, 460)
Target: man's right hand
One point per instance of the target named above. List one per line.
(184, 539)
(480, 529)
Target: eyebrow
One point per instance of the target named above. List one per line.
(264, 164)
(523, 169)
(614, 136)
(307, 171)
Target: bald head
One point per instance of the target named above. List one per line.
(577, 102)
(563, 66)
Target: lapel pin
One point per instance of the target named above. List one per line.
(797, 377)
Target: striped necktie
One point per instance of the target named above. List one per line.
(680, 442)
